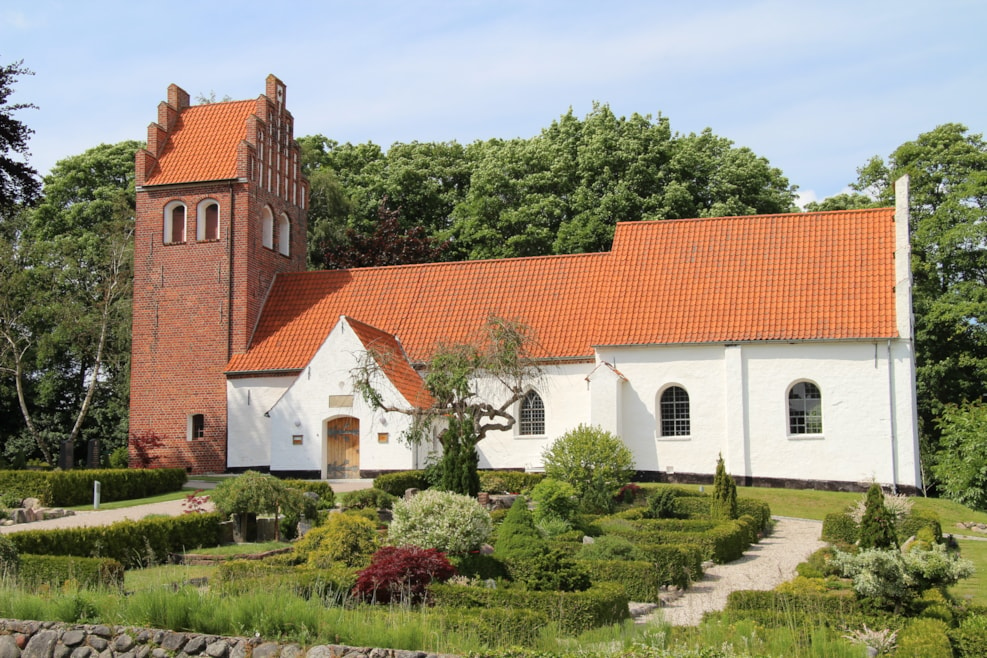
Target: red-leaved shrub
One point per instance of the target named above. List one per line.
(402, 574)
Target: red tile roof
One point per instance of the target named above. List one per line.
(390, 356)
(804, 276)
(203, 144)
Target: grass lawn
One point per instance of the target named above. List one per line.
(166, 575)
(163, 498)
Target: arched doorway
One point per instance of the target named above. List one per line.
(343, 448)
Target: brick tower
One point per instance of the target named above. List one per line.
(221, 210)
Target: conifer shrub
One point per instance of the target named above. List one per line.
(347, 539)
(640, 579)
(724, 504)
(517, 534)
(595, 462)
(398, 483)
(877, 525)
(367, 499)
(840, 528)
(610, 547)
(446, 521)
(970, 637)
(402, 574)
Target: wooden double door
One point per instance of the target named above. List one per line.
(343, 448)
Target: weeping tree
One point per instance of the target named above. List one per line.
(474, 387)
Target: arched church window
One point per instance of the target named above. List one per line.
(673, 409)
(174, 223)
(267, 228)
(805, 409)
(284, 236)
(207, 221)
(532, 422)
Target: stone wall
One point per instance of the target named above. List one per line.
(42, 639)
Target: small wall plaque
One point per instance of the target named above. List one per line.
(296, 439)
(383, 437)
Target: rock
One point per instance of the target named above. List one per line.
(81, 652)
(410, 493)
(41, 645)
(123, 643)
(588, 540)
(21, 515)
(31, 503)
(73, 638)
(267, 650)
(321, 651)
(8, 647)
(196, 644)
(98, 643)
(101, 630)
(173, 642)
(217, 649)
(291, 651)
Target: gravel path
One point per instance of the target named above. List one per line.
(764, 565)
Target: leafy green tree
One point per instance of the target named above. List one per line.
(595, 462)
(18, 180)
(961, 466)
(64, 319)
(948, 207)
(877, 524)
(724, 504)
(473, 386)
(256, 493)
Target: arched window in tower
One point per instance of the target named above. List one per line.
(673, 408)
(805, 409)
(267, 228)
(284, 235)
(207, 221)
(532, 415)
(174, 223)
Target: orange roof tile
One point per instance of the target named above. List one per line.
(804, 276)
(394, 362)
(203, 144)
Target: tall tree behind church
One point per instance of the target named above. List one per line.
(561, 191)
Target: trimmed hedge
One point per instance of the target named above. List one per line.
(676, 564)
(509, 481)
(924, 638)
(68, 488)
(723, 542)
(640, 580)
(56, 570)
(693, 507)
(915, 521)
(397, 483)
(759, 510)
(493, 627)
(133, 543)
(839, 528)
(574, 612)
(236, 577)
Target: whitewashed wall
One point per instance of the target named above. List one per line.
(247, 399)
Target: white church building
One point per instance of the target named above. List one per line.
(782, 342)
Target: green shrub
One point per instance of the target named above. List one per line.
(346, 539)
(478, 565)
(120, 457)
(610, 547)
(256, 493)
(676, 565)
(916, 521)
(239, 577)
(595, 462)
(56, 570)
(449, 522)
(517, 534)
(661, 504)
(75, 487)
(367, 499)
(397, 483)
(574, 612)
(840, 528)
(693, 507)
(640, 580)
(724, 504)
(494, 627)
(327, 498)
(9, 558)
(924, 638)
(970, 637)
(518, 482)
(132, 543)
(781, 606)
(877, 525)
(817, 564)
(550, 569)
(554, 499)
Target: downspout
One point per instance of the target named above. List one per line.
(894, 421)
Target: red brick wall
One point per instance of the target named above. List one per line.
(196, 303)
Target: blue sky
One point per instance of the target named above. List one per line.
(815, 87)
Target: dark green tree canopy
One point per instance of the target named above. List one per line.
(18, 180)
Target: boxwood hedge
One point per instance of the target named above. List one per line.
(56, 570)
(68, 488)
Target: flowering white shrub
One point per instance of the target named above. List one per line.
(898, 505)
(450, 522)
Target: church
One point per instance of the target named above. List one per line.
(782, 342)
